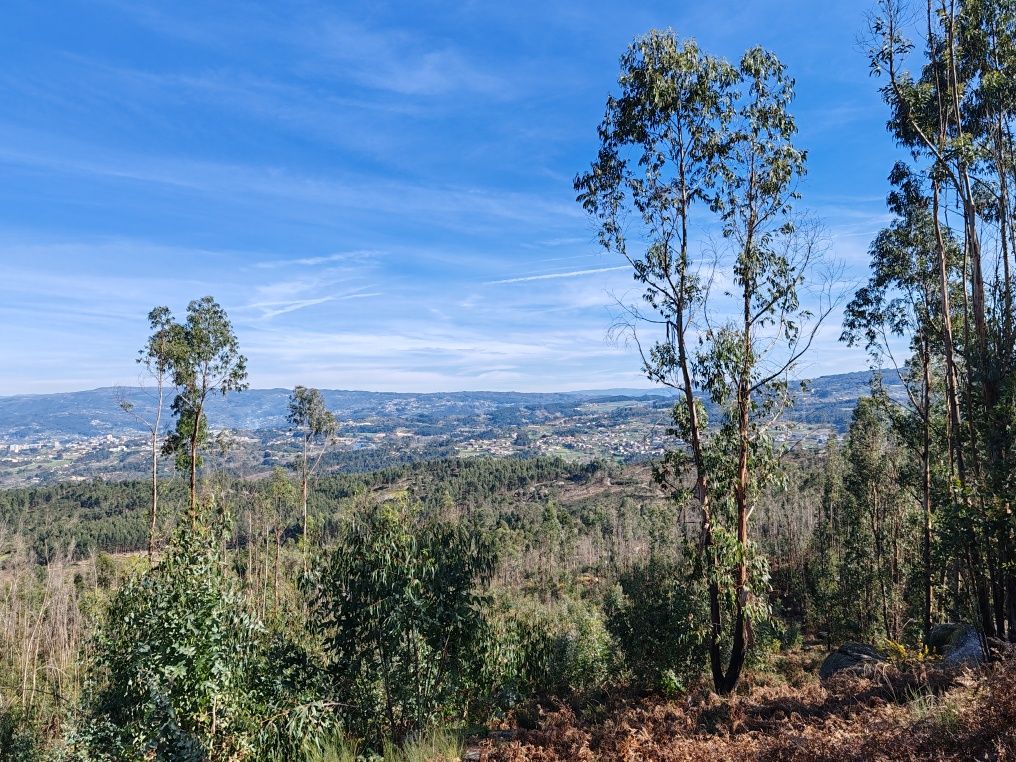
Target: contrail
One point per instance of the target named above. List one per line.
(551, 276)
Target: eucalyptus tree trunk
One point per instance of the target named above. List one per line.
(721, 680)
(303, 501)
(195, 433)
(153, 515)
(926, 480)
(278, 551)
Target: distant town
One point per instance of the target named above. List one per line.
(249, 437)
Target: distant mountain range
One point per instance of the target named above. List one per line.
(33, 417)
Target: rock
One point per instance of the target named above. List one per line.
(1001, 649)
(959, 644)
(940, 636)
(858, 658)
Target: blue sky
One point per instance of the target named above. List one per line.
(379, 194)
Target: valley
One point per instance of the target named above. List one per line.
(78, 436)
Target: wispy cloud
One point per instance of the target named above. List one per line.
(346, 256)
(286, 192)
(399, 61)
(554, 276)
(270, 310)
(405, 61)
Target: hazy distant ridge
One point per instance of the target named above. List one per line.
(95, 412)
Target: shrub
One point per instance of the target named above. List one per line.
(557, 650)
(403, 622)
(105, 571)
(19, 738)
(770, 635)
(658, 620)
(183, 672)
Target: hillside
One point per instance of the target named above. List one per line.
(79, 435)
(96, 412)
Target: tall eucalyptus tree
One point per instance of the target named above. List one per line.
(954, 116)
(206, 360)
(694, 142)
(902, 302)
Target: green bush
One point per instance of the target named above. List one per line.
(19, 737)
(659, 619)
(105, 571)
(560, 649)
(183, 672)
(768, 638)
(437, 745)
(403, 623)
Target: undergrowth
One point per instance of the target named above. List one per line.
(916, 713)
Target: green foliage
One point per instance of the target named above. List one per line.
(559, 649)
(105, 571)
(659, 622)
(19, 738)
(205, 356)
(941, 276)
(868, 543)
(189, 427)
(110, 516)
(308, 414)
(183, 672)
(438, 745)
(402, 620)
(770, 635)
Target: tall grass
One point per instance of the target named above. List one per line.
(438, 745)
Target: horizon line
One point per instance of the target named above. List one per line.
(648, 389)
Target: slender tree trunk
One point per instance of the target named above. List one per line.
(978, 350)
(1001, 168)
(265, 570)
(303, 493)
(155, 474)
(926, 481)
(955, 429)
(997, 579)
(195, 432)
(251, 571)
(194, 480)
(742, 633)
(278, 547)
(1010, 588)
(877, 530)
(724, 679)
(720, 682)
(952, 378)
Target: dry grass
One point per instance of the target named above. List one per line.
(922, 715)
